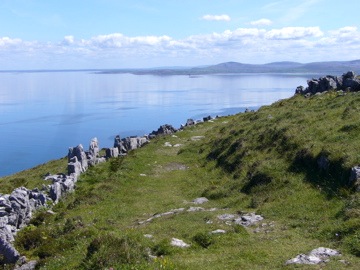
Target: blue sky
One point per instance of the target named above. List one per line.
(54, 34)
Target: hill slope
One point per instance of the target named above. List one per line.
(288, 162)
(333, 67)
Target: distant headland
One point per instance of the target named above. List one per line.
(236, 68)
(326, 67)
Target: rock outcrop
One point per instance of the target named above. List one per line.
(347, 82)
(16, 211)
(129, 143)
(17, 208)
(163, 130)
(78, 155)
(316, 256)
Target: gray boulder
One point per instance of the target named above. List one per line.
(80, 154)
(20, 205)
(190, 122)
(6, 230)
(74, 166)
(55, 192)
(248, 219)
(11, 255)
(316, 256)
(207, 118)
(31, 265)
(112, 152)
(118, 144)
(163, 130)
(93, 153)
(351, 83)
(200, 200)
(355, 177)
(348, 81)
(130, 143)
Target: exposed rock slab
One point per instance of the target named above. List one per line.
(316, 256)
(178, 243)
(200, 200)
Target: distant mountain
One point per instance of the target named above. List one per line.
(331, 67)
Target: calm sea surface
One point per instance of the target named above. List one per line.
(43, 114)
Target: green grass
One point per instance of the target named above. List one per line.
(264, 162)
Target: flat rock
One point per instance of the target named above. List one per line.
(178, 243)
(197, 138)
(316, 256)
(218, 231)
(226, 216)
(200, 200)
(324, 253)
(304, 259)
(249, 219)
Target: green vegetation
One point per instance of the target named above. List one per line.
(289, 162)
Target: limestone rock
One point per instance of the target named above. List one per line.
(218, 231)
(190, 122)
(316, 256)
(80, 155)
(129, 143)
(348, 81)
(249, 219)
(355, 177)
(179, 243)
(11, 255)
(112, 152)
(200, 200)
(93, 153)
(163, 130)
(20, 205)
(31, 265)
(207, 118)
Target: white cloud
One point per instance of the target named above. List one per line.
(261, 22)
(68, 40)
(222, 17)
(294, 33)
(254, 45)
(6, 41)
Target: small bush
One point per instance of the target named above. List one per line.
(110, 251)
(352, 242)
(40, 218)
(72, 223)
(31, 237)
(203, 239)
(115, 164)
(163, 248)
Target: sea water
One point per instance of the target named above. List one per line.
(42, 114)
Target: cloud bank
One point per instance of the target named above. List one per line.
(248, 45)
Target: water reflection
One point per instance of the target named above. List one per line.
(42, 114)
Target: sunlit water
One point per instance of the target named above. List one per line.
(43, 114)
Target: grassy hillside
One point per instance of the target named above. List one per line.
(288, 162)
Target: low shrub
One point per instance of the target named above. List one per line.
(163, 248)
(107, 251)
(203, 239)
